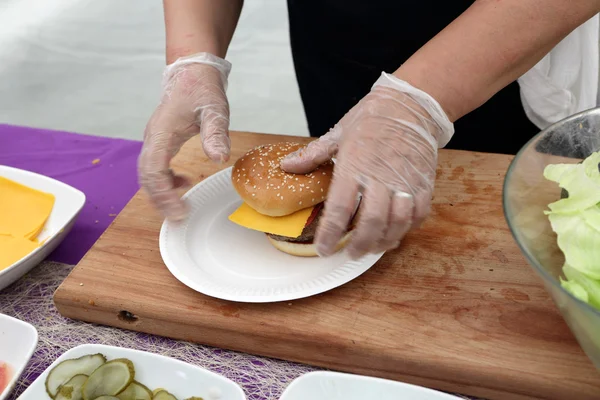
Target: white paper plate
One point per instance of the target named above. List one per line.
(324, 385)
(216, 257)
(69, 202)
(18, 340)
(183, 380)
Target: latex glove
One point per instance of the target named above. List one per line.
(385, 148)
(193, 101)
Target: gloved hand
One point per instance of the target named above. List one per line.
(385, 148)
(193, 101)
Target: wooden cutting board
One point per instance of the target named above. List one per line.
(456, 308)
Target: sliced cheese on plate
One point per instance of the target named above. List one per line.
(12, 249)
(23, 214)
(23, 210)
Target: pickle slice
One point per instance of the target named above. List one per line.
(135, 391)
(106, 398)
(67, 369)
(110, 379)
(163, 395)
(71, 390)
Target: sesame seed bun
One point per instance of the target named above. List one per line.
(264, 186)
(305, 249)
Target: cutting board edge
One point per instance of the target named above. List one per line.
(107, 317)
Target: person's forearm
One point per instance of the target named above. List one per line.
(489, 46)
(194, 26)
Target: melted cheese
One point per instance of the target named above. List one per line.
(290, 225)
(12, 249)
(23, 210)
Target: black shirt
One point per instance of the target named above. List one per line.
(340, 48)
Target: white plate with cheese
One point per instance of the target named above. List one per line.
(214, 256)
(20, 192)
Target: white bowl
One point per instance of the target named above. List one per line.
(324, 385)
(68, 204)
(181, 379)
(18, 340)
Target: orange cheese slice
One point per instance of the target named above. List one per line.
(23, 210)
(12, 249)
(290, 225)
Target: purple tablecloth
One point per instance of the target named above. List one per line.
(104, 169)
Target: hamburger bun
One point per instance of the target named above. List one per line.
(264, 186)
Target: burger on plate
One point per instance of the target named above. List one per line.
(286, 207)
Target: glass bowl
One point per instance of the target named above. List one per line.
(526, 195)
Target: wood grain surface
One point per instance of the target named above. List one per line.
(455, 308)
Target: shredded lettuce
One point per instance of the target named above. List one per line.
(576, 222)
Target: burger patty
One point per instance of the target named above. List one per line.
(307, 235)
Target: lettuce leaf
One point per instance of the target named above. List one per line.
(590, 285)
(582, 181)
(576, 222)
(575, 289)
(579, 242)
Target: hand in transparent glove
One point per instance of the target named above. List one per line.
(386, 149)
(193, 101)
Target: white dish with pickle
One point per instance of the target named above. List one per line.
(99, 372)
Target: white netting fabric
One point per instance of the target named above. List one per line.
(30, 299)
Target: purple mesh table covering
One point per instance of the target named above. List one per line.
(105, 170)
(102, 168)
(30, 299)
